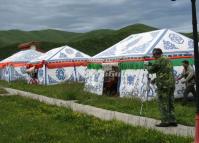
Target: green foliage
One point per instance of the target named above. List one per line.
(27, 121)
(74, 91)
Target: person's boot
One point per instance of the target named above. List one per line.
(162, 125)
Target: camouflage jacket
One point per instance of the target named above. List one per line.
(163, 69)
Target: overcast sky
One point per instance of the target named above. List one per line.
(87, 15)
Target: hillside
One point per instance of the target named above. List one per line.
(90, 43)
(16, 36)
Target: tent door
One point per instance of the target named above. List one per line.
(111, 81)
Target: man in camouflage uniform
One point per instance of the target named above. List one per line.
(165, 83)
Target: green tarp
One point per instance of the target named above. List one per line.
(140, 65)
(94, 66)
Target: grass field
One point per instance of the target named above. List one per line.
(2, 91)
(185, 114)
(27, 121)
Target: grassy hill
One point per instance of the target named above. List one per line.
(90, 43)
(16, 36)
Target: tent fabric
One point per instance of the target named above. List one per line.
(131, 65)
(94, 66)
(60, 65)
(65, 64)
(94, 81)
(140, 65)
(142, 44)
(131, 53)
(133, 83)
(64, 53)
(14, 67)
(23, 56)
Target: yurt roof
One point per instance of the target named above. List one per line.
(138, 45)
(23, 56)
(63, 53)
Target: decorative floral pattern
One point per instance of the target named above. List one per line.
(69, 51)
(190, 44)
(51, 80)
(23, 70)
(79, 55)
(96, 77)
(62, 55)
(140, 49)
(60, 74)
(130, 79)
(168, 45)
(40, 73)
(176, 38)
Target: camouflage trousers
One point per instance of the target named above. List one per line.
(166, 104)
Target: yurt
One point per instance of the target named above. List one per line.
(14, 67)
(120, 69)
(60, 65)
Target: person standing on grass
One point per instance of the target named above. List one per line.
(189, 75)
(165, 83)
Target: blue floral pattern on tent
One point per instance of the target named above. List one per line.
(96, 77)
(40, 73)
(62, 55)
(51, 80)
(79, 55)
(80, 77)
(29, 57)
(60, 74)
(190, 44)
(176, 38)
(140, 49)
(130, 79)
(17, 75)
(169, 46)
(23, 70)
(69, 51)
(71, 78)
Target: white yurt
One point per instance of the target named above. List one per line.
(60, 65)
(122, 66)
(14, 67)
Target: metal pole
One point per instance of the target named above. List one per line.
(196, 52)
(196, 60)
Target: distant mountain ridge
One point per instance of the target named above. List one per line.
(90, 43)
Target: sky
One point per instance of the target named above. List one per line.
(88, 15)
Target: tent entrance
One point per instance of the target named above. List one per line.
(111, 80)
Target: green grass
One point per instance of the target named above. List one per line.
(2, 91)
(185, 114)
(27, 121)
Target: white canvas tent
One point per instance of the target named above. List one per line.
(61, 64)
(14, 67)
(130, 53)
